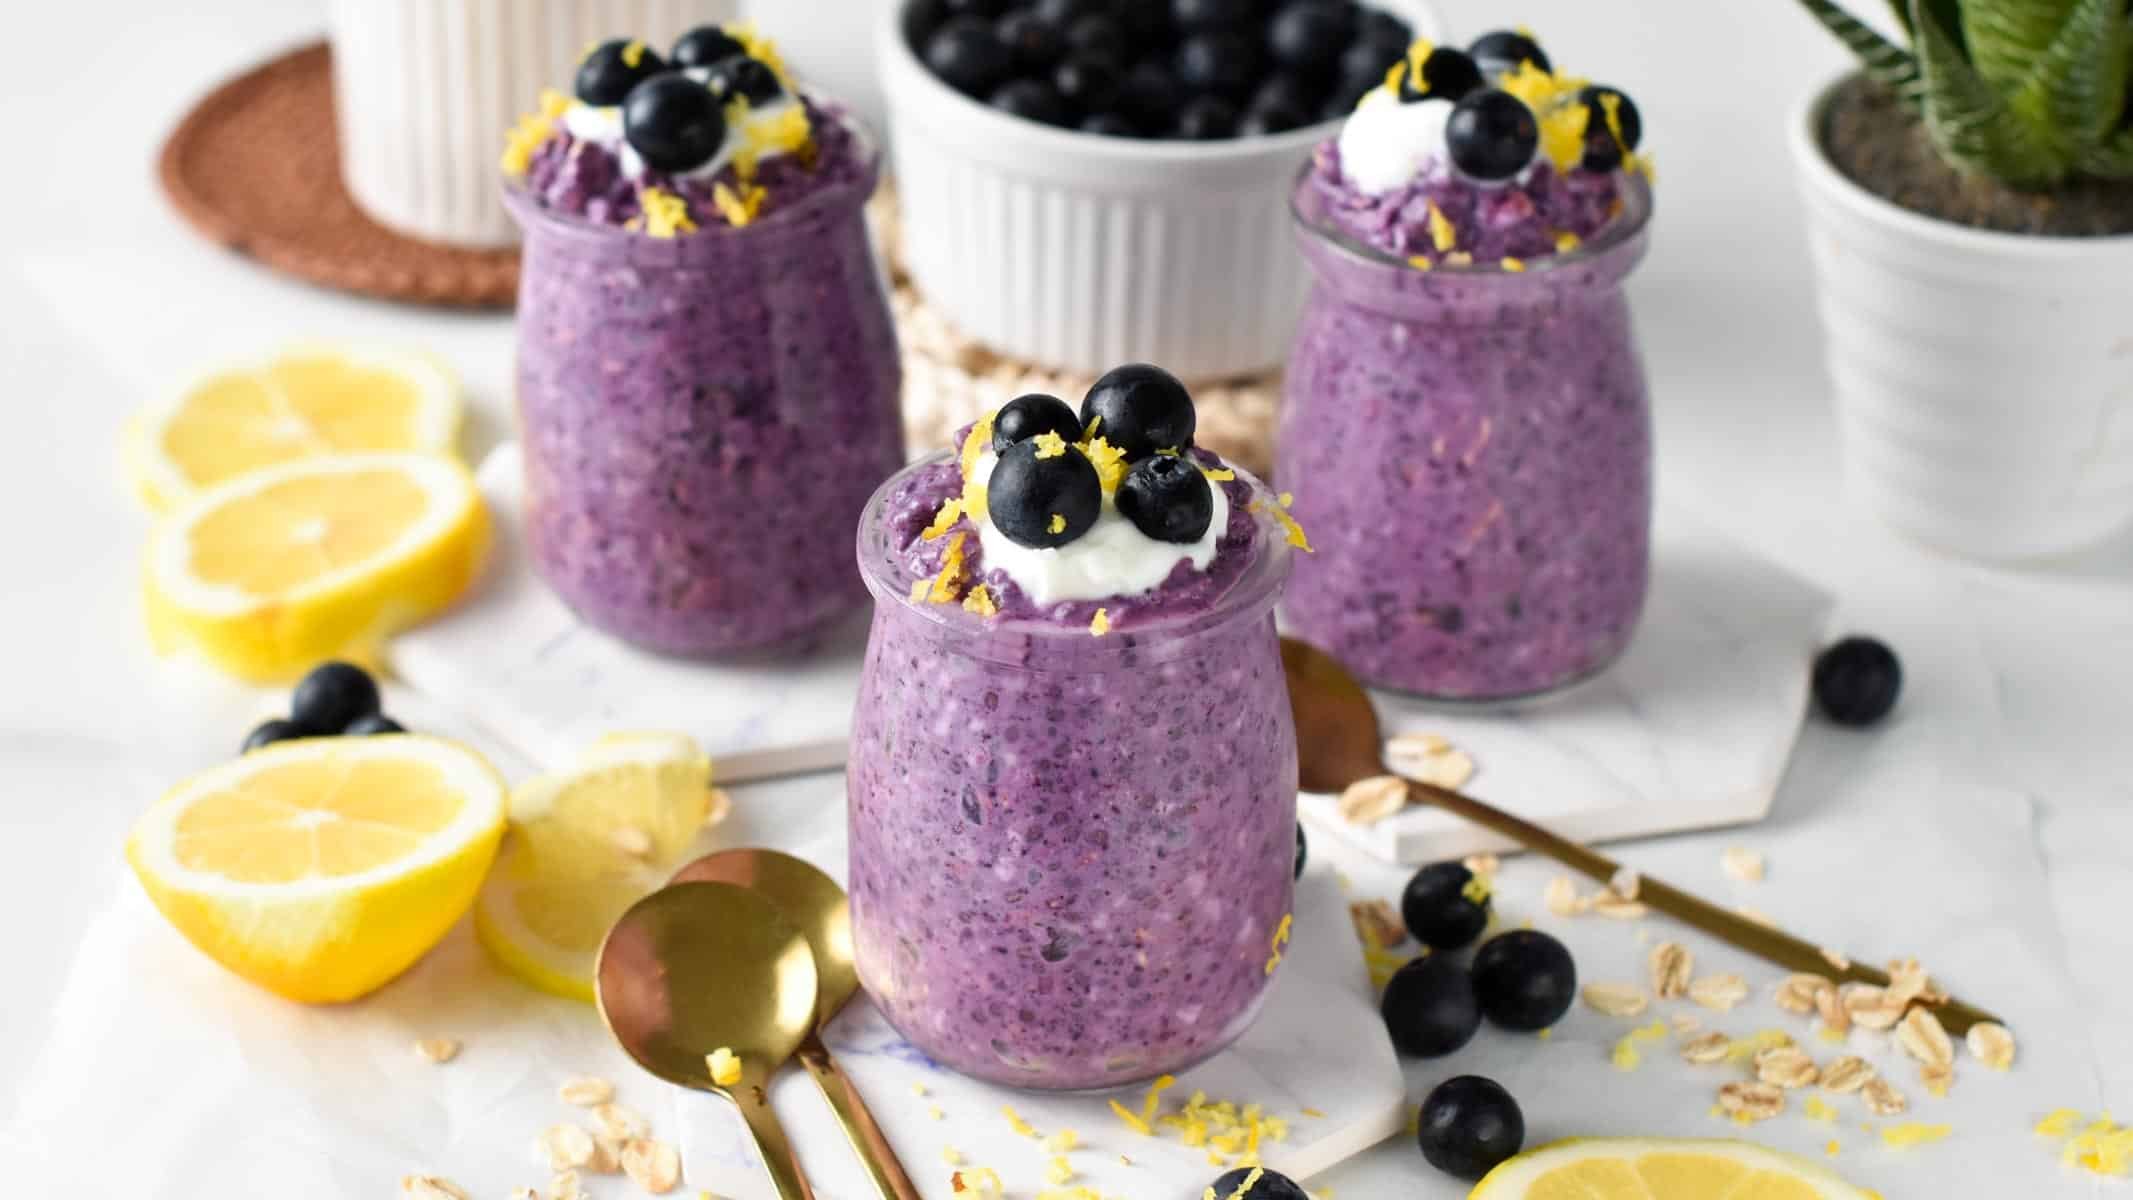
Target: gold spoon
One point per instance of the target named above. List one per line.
(815, 902)
(700, 966)
(1338, 744)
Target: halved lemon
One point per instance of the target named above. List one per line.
(306, 401)
(585, 844)
(321, 869)
(1662, 1169)
(272, 571)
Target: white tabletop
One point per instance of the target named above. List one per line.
(2016, 690)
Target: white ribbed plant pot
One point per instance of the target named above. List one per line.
(1984, 381)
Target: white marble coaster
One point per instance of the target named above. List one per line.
(1691, 729)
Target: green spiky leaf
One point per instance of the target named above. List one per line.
(2075, 90)
(1902, 11)
(1884, 60)
(2006, 38)
(1971, 124)
(2112, 159)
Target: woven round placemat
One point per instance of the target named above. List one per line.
(256, 166)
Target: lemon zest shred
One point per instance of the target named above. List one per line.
(724, 1065)
(1059, 1170)
(980, 601)
(1132, 1119)
(1442, 233)
(1551, 97)
(1566, 241)
(1100, 624)
(1057, 525)
(1913, 1133)
(523, 138)
(944, 520)
(943, 590)
(739, 208)
(1109, 461)
(1420, 262)
(1016, 1123)
(1281, 938)
(1219, 475)
(1050, 445)
(975, 443)
(632, 54)
(1516, 266)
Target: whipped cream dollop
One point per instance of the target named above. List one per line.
(602, 124)
(1386, 145)
(1114, 558)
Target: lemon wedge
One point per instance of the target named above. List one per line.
(320, 869)
(318, 558)
(1661, 1169)
(306, 401)
(585, 844)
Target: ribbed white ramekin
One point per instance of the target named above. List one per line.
(1079, 252)
(1984, 381)
(424, 91)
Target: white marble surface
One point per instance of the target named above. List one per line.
(1988, 828)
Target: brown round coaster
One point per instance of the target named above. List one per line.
(256, 166)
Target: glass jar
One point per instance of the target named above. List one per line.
(703, 418)
(1071, 856)
(1471, 449)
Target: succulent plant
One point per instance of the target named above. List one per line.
(2029, 92)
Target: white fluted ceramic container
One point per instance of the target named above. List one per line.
(1080, 252)
(424, 91)
(1984, 381)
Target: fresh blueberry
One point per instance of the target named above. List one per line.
(1030, 99)
(1429, 1007)
(1043, 500)
(610, 69)
(1033, 43)
(1446, 906)
(372, 725)
(704, 46)
(746, 77)
(1491, 136)
(921, 18)
(1603, 150)
(1087, 84)
(1277, 116)
(1284, 89)
(1063, 13)
(1447, 74)
(269, 732)
(1219, 62)
(673, 122)
(1499, 53)
(1146, 22)
(1140, 409)
(1109, 125)
(1363, 67)
(1857, 681)
(335, 693)
(1385, 31)
(1271, 1185)
(1303, 848)
(1097, 35)
(1469, 1125)
(968, 56)
(1024, 417)
(1309, 37)
(1168, 498)
(1194, 16)
(1206, 119)
(1150, 96)
(975, 8)
(1524, 979)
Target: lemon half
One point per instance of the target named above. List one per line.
(1662, 1169)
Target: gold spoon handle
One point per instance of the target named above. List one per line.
(1756, 938)
(770, 1142)
(868, 1142)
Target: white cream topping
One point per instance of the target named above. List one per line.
(1114, 558)
(1386, 144)
(590, 123)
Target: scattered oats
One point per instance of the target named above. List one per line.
(1786, 1067)
(1376, 924)
(1404, 748)
(1750, 1102)
(566, 1146)
(1562, 897)
(1836, 1019)
(607, 1155)
(1368, 801)
(525, 1193)
(1869, 1008)
(430, 1187)
(1626, 883)
(651, 1165)
(1848, 1073)
(437, 1050)
(1922, 1037)
(1670, 964)
(1707, 1048)
(1798, 992)
(982, 1182)
(1615, 999)
(1908, 981)
(1835, 959)
(1757, 915)
(619, 1121)
(1427, 758)
(1742, 864)
(1991, 1044)
(1685, 1024)
(1881, 1099)
(1936, 1078)
(1450, 771)
(586, 1091)
(632, 841)
(564, 1186)
(1484, 865)
(1719, 992)
(1607, 904)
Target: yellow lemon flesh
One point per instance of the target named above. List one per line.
(585, 844)
(1661, 1169)
(269, 573)
(304, 402)
(321, 869)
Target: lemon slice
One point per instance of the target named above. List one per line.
(586, 844)
(270, 572)
(1661, 1169)
(306, 401)
(320, 869)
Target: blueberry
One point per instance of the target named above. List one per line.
(1206, 119)
(1033, 43)
(1524, 979)
(1168, 498)
(921, 18)
(1062, 13)
(1468, 1125)
(1039, 500)
(968, 56)
(1499, 53)
(1140, 409)
(1491, 136)
(609, 70)
(1271, 1185)
(1429, 1007)
(704, 46)
(673, 122)
(1309, 37)
(1150, 96)
(1447, 74)
(1285, 89)
(1030, 99)
(1269, 117)
(1109, 125)
(336, 693)
(1445, 906)
(372, 725)
(1087, 84)
(1384, 31)
(1303, 848)
(269, 732)
(1220, 63)
(1146, 23)
(1024, 417)
(744, 76)
(1097, 35)
(1363, 66)
(1194, 16)
(975, 8)
(1603, 150)
(1857, 681)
